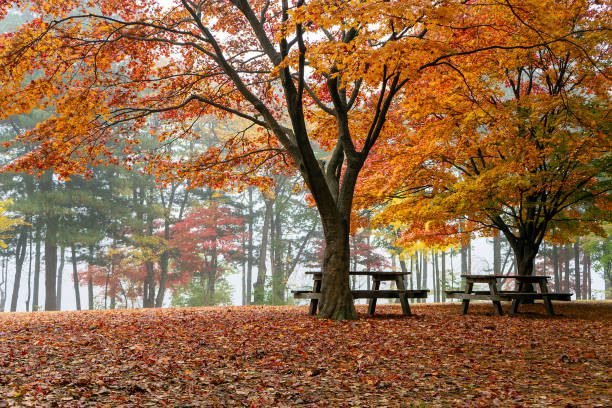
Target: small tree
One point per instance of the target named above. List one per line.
(207, 241)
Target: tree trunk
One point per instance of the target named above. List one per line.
(212, 278)
(148, 299)
(275, 269)
(577, 282)
(60, 275)
(20, 251)
(452, 270)
(249, 271)
(90, 294)
(281, 270)
(417, 268)
(35, 296)
(607, 280)
(424, 272)
(464, 260)
(75, 277)
(244, 268)
(3, 283)
(259, 287)
(566, 267)
(469, 257)
(436, 276)
(29, 298)
(108, 274)
(586, 274)
(525, 253)
(556, 272)
(164, 260)
(497, 255)
(51, 264)
(443, 288)
(337, 301)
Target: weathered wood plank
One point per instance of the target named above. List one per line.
(508, 295)
(306, 295)
(474, 296)
(390, 294)
(366, 294)
(530, 295)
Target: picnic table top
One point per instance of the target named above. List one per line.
(517, 277)
(367, 273)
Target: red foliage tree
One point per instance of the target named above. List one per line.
(207, 241)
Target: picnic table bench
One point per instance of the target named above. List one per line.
(400, 293)
(524, 292)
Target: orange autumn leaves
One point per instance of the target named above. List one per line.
(115, 75)
(280, 356)
(510, 140)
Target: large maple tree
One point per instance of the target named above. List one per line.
(302, 72)
(514, 143)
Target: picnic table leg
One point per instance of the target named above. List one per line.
(314, 303)
(496, 303)
(372, 305)
(466, 302)
(547, 301)
(399, 282)
(514, 307)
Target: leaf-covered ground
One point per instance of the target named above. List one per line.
(280, 356)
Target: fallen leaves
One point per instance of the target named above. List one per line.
(280, 356)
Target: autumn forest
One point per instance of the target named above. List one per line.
(185, 184)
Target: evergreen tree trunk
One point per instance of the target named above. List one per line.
(148, 300)
(275, 268)
(464, 260)
(60, 275)
(37, 257)
(29, 298)
(90, 294)
(46, 186)
(212, 280)
(20, 252)
(443, 276)
(259, 287)
(164, 260)
(110, 285)
(417, 267)
(113, 295)
(436, 275)
(249, 271)
(3, 283)
(497, 254)
(51, 264)
(108, 274)
(75, 277)
(244, 269)
(607, 280)
(577, 282)
(469, 257)
(424, 271)
(566, 267)
(586, 274)
(556, 272)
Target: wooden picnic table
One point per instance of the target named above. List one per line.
(400, 293)
(524, 292)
